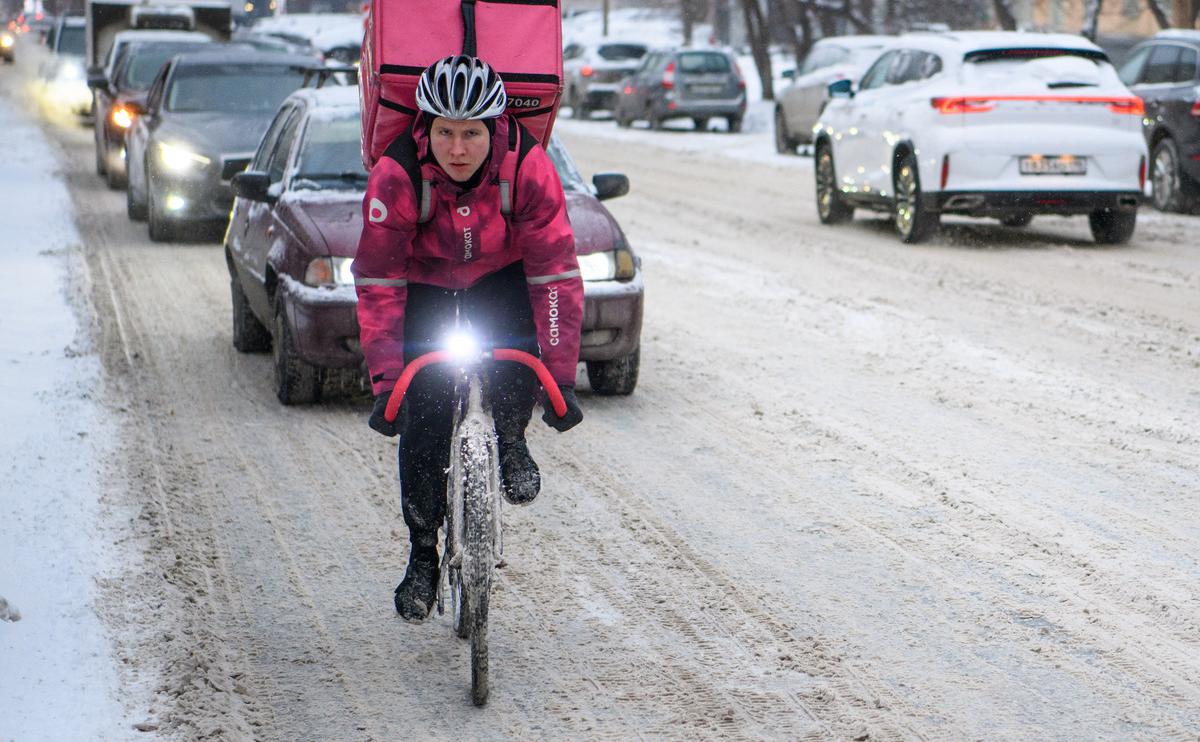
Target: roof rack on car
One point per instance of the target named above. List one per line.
(318, 76)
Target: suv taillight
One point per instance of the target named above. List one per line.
(668, 81)
(586, 70)
(741, 78)
(1196, 108)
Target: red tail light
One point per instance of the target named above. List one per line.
(980, 103)
(586, 70)
(962, 105)
(628, 90)
(741, 78)
(1142, 173)
(668, 81)
(945, 170)
(1196, 108)
(1133, 106)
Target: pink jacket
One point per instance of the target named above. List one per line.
(466, 238)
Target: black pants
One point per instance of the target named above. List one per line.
(500, 315)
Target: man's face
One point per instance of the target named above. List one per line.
(460, 147)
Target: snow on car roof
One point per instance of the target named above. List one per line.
(141, 34)
(856, 41)
(975, 40)
(331, 96)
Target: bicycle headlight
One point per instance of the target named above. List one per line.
(463, 346)
(179, 158)
(607, 266)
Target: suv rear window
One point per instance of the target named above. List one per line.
(997, 55)
(703, 62)
(620, 52)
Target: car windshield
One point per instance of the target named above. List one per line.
(330, 156)
(231, 88)
(71, 40)
(568, 174)
(696, 62)
(621, 52)
(141, 65)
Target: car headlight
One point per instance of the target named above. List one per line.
(6, 41)
(607, 266)
(329, 272)
(122, 117)
(180, 159)
(69, 71)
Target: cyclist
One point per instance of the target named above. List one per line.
(513, 275)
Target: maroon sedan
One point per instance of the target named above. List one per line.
(295, 227)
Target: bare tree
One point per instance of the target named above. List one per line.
(756, 30)
(1004, 15)
(1160, 16)
(1091, 19)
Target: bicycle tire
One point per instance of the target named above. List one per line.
(478, 557)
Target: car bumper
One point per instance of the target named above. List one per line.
(193, 199)
(6, 54)
(600, 98)
(324, 323)
(1000, 203)
(694, 108)
(612, 318)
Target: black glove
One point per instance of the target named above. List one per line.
(380, 425)
(570, 419)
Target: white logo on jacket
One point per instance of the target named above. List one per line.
(464, 210)
(553, 313)
(377, 211)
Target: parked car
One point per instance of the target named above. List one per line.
(121, 87)
(203, 116)
(294, 232)
(1165, 72)
(999, 124)
(799, 105)
(699, 84)
(592, 74)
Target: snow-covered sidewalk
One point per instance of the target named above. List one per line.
(58, 679)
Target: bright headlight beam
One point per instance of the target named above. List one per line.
(177, 158)
(463, 346)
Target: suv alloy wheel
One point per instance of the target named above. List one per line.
(1167, 190)
(831, 209)
(913, 222)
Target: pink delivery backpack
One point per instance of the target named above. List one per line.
(520, 39)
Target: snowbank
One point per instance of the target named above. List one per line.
(57, 673)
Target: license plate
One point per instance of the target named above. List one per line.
(707, 89)
(1053, 165)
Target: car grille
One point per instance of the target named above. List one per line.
(231, 166)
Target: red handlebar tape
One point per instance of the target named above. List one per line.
(499, 354)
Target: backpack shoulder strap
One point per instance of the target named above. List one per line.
(403, 150)
(520, 142)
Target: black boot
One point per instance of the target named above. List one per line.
(519, 472)
(417, 592)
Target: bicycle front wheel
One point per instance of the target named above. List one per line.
(478, 559)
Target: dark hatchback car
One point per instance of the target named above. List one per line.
(122, 89)
(1165, 72)
(295, 229)
(203, 117)
(683, 83)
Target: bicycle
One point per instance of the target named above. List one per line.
(474, 546)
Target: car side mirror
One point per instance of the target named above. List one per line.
(610, 185)
(252, 186)
(841, 89)
(96, 79)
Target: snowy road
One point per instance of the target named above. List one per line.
(863, 491)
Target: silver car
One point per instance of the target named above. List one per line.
(831, 59)
(592, 74)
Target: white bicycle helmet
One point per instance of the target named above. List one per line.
(461, 88)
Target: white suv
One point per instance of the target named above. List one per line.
(999, 124)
